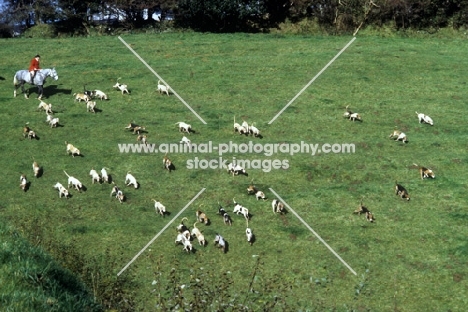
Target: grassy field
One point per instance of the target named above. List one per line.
(32, 281)
(412, 258)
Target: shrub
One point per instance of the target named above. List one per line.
(40, 31)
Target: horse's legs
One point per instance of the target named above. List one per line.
(26, 95)
(40, 91)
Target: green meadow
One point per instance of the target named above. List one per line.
(413, 258)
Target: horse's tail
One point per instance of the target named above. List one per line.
(15, 80)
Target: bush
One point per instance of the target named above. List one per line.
(40, 31)
(304, 26)
(6, 31)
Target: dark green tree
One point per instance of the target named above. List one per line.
(220, 15)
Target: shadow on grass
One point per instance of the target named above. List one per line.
(27, 186)
(54, 89)
(40, 172)
(171, 167)
(252, 240)
(36, 137)
(82, 189)
(166, 213)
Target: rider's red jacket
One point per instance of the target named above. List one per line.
(34, 65)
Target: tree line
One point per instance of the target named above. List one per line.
(337, 16)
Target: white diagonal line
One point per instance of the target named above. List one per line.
(160, 78)
(160, 232)
(313, 232)
(310, 82)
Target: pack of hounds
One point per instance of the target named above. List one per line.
(397, 135)
(185, 236)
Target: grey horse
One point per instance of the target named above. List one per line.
(23, 76)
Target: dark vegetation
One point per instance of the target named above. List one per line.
(70, 17)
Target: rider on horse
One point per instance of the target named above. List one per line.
(34, 67)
